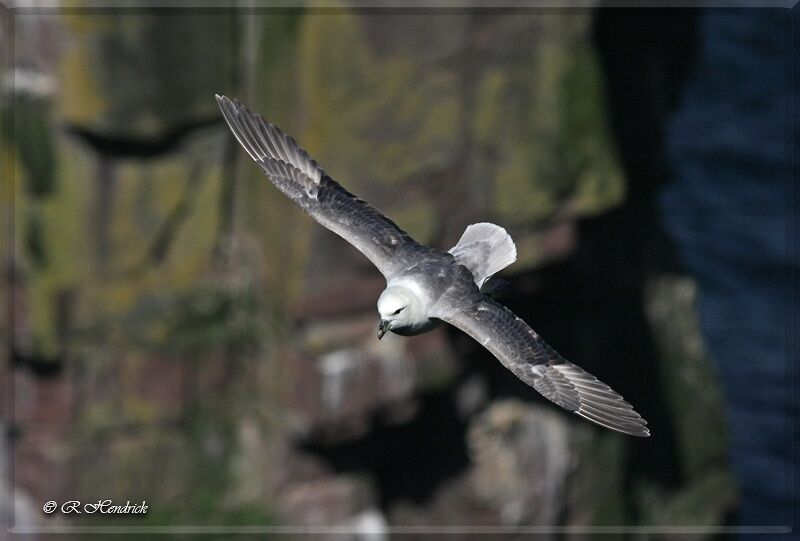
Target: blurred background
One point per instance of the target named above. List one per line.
(181, 333)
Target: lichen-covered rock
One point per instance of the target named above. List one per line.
(346, 375)
(696, 402)
(207, 330)
(335, 501)
(522, 456)
(134, 76)
(455, 137)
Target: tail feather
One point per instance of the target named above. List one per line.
(484, 249)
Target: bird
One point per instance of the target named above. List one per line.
(427, 285)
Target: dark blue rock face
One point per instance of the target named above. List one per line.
(729, 210)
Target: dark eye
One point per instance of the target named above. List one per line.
(398, 311)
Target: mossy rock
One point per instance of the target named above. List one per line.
(123, 75)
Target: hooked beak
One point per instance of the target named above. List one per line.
(383, 326)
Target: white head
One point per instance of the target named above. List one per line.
(400, 309)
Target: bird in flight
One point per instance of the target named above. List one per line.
(426, 285)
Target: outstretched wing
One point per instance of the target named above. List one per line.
(524, 352)
(299, 177)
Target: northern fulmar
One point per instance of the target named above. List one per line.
(426, 285)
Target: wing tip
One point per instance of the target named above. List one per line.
(265, 141)
(225, 103)
(638, 430)
(223, 100)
